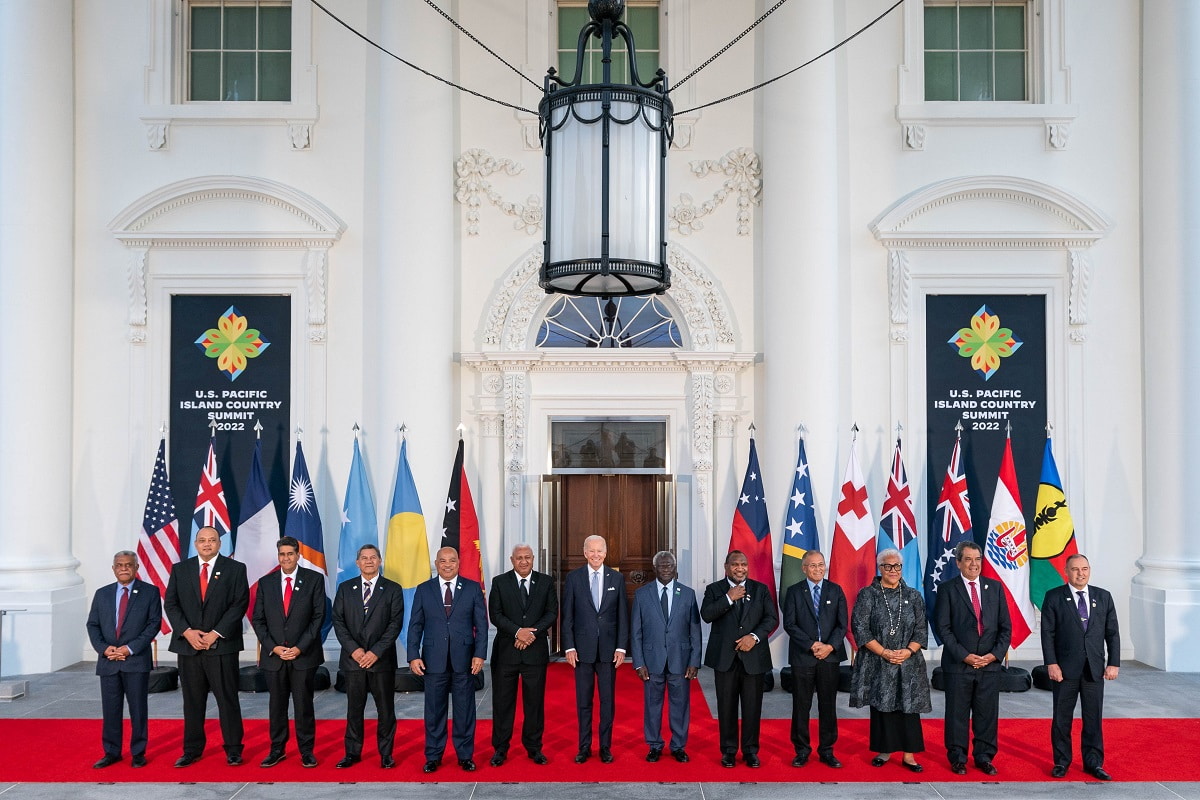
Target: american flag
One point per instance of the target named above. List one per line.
(158, 543)
(951, 525)
(211, 510)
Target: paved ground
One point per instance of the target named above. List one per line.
(1140, 691)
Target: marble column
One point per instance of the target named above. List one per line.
(411, 279)
(802, 288)
(38, 581)
(1165, 597)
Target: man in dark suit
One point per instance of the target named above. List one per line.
(125, 618)
(368, 611)
(814, 616)
(523, 606)
(975, 628)
(206, 599)
(289, 610)
(595, 634)
(665, 627)
(447, 643)
(742, 615)
(1078, 622)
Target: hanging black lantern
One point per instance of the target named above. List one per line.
(606, 173)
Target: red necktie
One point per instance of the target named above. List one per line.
(203, 580)
(287, 594)
(122, 609)
(978, 608)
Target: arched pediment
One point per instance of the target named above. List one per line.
(701, 308)
(1020, 213)
(227, 209)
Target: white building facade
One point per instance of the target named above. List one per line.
(810, 221)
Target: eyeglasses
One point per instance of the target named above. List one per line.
(891, 567)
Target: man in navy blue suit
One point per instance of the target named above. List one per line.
(447, 643)
(595, 635)
(125, 618)
(1079, 622)
(665, 626)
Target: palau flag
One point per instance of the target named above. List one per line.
(258, 530)
(898, 522)
(752, 527)
(304, 523)
(360, 525)
(1053, 539)
(800, 533)
(406, 559)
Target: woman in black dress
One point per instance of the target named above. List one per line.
(891, 630)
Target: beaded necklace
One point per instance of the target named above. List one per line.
(893, 623)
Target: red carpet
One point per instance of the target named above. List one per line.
(63, 750)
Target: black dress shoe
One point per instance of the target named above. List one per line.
(1059, 771)
(137, 762)
(988, 768)
(912, 767)
(107, 761)
(386, 762)
(431, 766)
(958, 769)
(348, 761)
(186, 760)
(234, 760)
(467, 764)
(880, 760)
(654, 754)
(800, 761)
(830, 760)
(539, 758)
(752, 761)
(606, 756)
(498, 758)
(583, 755)
(272, 759)
(727, 760)
(680, 755)
(308, 760)
(1098, 773)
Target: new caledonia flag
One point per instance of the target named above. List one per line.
(751, 527)
(1053, 539)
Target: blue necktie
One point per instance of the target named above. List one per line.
(816, 593)
(1083, 611)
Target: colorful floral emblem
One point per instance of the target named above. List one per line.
(232, 343)
(1006, 545)
(985, 342)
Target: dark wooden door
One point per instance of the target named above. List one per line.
(631, 512)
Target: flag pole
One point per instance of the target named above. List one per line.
(899, 429)
(460, 430)
(212, 427)
(356, 429)
(258, 429)
(802, 431)
(958, 429)
(854, 433)
(402, 429)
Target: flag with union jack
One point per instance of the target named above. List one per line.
(211, 510)
(951, 525)
(158, 543)
(898, 522)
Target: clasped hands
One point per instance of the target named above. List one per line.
(200, 641)
(525, 637)
(114, 653)
(897, 656)
(979, 662)
(286, 653)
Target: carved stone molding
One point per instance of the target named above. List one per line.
(514, 486)
(472, 187)
(1081, 279)
(515, 404)
(300, 135)
(702, 415)
(1058, 135)
(743, 177)
(899, 285)
(491, 425)
(156, 135)
(703, 316)
(314, 285)
(724, 425)
(914, 137)
(138, 304)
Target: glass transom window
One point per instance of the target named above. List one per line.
(642, 19)
(608, 322)
(239, 50)
(976, 51)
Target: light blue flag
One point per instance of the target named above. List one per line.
(359, 524)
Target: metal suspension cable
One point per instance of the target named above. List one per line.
(411, 65)
(721, 52)
(492, 52)
(812, 60)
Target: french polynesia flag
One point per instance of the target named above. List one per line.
(752, 528)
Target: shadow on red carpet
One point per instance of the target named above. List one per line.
(64, 749)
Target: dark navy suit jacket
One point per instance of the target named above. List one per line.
(300, 627)
(143, 619)
(594, 635)
(801, 623)
(448, 643)
(1064, 641)
(959, 630)
(664, 645)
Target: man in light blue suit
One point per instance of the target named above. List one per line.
(665, 626)
(447, 643)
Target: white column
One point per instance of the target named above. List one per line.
(1165, 598)
(37, 568)
(802, 294)
(411, 275)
